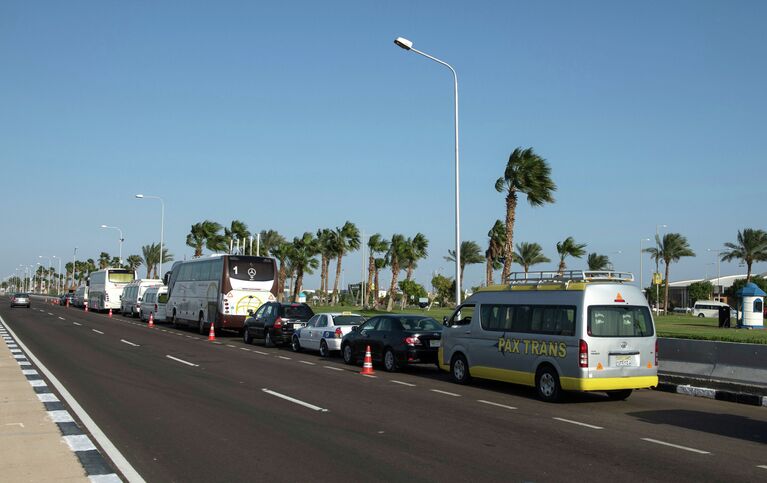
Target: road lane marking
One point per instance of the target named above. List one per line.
(50, 313)
(307, 363)
(578, 423)
(692, 450)
(403, 383)
(47, 397)
(244, 349)
(37, 383)
(97, 331)
(262, 353)
(62, 318)
(332, 368)
(129, 343)
(30, 372)
(495, 404)
(295, 401)
(181, 361)
(80, 442)
(77, 323)
(764, 467)
(445, 393)
(61, 416)
(232, 346)
(283, 357)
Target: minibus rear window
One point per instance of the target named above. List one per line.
(619, 321)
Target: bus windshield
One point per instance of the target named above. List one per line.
(251, 269)
(121, 276)
(619, 321)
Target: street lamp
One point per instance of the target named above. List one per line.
(657, 263)
(641, 263)
(162, 221)
(718, 253)
(121, 240)
(46, 273)
(58, 275)
(408, 45)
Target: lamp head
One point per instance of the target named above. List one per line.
(139, 196)
(404, 43)
(104, 226)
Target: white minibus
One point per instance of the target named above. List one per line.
(133, 293)
(709, 308)
(153, 303)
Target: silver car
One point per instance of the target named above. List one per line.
(20, 300)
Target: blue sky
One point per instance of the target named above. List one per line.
(300, 115)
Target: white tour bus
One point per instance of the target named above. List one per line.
(133, 293)
(105, 287)
(219, 289)
(571, 331)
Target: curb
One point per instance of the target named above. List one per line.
(96, 467)
(718, 394)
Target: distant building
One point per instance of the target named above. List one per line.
(678, 292)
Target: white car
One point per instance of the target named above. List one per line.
(324, 332)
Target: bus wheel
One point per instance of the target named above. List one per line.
(547, 384)
(619, 395)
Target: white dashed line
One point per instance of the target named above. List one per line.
(181, 361)
(244, 349)
(692, 450)
(332, 368)
(296, 401)
(50, 313)
(283, 357)
(445, 393)
(369, 375)
(97, 331)
(262, 353)
(307, 363)
(77, 323)
(764, 467)
(129, 343)
(232, 346)
(578, 423)
(495, 404)
(403, 383)
(62, 318)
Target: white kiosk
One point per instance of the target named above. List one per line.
(751, 301)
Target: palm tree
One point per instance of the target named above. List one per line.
(302, 259)
(380, 264)
(416, 249)
(133, 262)
(751, 247)
(494, 252)
(206, 234)
(104, 260)
(598, 262)
(673, 247)
(569, 248)
(281, 252)
(529, 254)
(347, 240)
(471, 254)
(326, 239)
(237, 230)
(376, 244)
(529, 174)
(268, 240)
(397, 248)
(149, 258)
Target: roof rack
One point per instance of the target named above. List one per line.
(538, 278)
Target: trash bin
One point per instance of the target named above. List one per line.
(724, 316)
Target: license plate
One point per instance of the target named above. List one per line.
(624, 361)
(434, 343)
(297, 326)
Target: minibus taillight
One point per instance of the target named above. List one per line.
(656, 352)
(278, 323)
(583, 354)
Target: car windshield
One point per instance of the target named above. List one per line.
(619, 321)
(411, 323)
(348, 320)
(297, 311)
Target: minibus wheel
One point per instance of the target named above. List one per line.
(547, 384)
(459, 369)
(619, 395)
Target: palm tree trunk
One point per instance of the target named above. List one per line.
(371, 269)
(323, 272)
(488, 271)
(375, 290)
(338, 277)
(297, 287)
(508, 247)
(562, 266)
(665, 291)
(281, 282)
(410, 269)
(748, 275)
(394, 276)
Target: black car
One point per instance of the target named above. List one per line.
(275, 322)
(396, 340)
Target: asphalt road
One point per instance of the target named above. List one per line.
(182, 408)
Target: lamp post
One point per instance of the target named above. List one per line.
(641, 263)
(46, 272)
(162, 221)
(408, 45)
(121, 240)
(657, 263)
(58, 276)
(74, 265)
(718, 253)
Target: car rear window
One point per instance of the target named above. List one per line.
(420, 324)
(348, 320)
(620, 321)
(297, 311)
(24, 295)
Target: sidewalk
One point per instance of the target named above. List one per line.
(31, 444)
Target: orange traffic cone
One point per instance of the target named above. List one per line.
(86, 306)
(67, 302)
(151, 320)
(367, 366)
(212, 333)
(110, 313)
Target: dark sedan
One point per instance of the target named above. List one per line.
(395, 340)
(275, 322)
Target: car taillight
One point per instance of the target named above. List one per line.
(339, 334)
(656, 352)
(583, 354)
(412, 341)
(278, 323)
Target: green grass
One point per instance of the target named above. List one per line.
(678, 326)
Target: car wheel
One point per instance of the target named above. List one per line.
(619, 395)
(324, 351)
(459, 369)
(547, 384)
(390, 362)
(246, 337)
(701, 315)
(268, 341)
(348, 356)
(295, 344)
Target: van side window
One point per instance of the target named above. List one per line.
(533, 319)
(463, 315)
